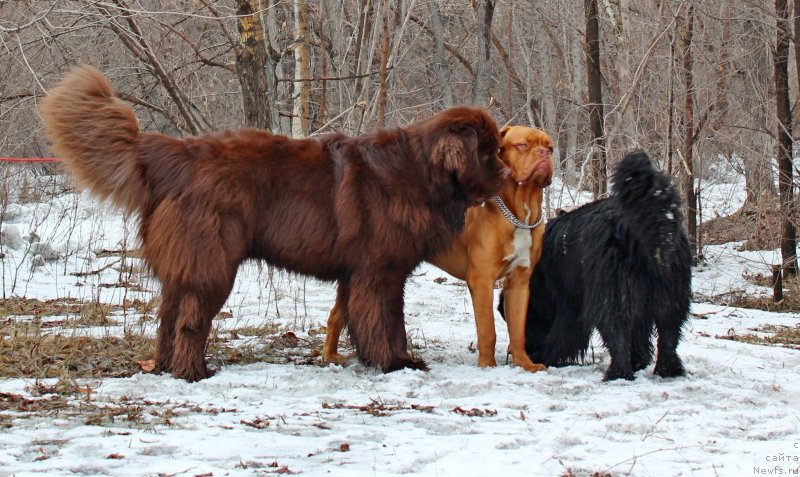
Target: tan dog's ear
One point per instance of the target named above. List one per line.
(504, 131)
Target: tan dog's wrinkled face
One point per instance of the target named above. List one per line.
(528, 152)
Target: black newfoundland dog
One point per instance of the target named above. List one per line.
(621, 265)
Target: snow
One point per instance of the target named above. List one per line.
(735, 413)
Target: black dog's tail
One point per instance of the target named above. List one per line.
(635, 180)
(648, 205)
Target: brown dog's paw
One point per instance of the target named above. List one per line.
(407, 363)
(194, 375)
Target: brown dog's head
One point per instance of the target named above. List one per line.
(528, 152)
(465, 151)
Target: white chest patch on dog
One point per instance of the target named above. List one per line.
(521, 255)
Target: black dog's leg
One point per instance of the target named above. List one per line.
(642, 343)
(668, 363)
(616, 334)
(568, 338)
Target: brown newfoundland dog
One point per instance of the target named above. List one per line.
(364, 211)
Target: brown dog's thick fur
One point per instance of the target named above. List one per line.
(362, 211)
(490, 248)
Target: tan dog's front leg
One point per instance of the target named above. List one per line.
(330, 350)
(482, 290)
(516, 307)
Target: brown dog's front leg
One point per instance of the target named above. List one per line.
(375, 320)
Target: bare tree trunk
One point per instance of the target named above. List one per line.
(384, 61)
(483, 63)
(273, 66)
(671, 102)
(510, 44)
(723, 70)
(323, 100)
(796, 40)
(784, 137)
(546, 65)
(302, 73)
(251, 65)
(598, 174)
(574, 117)
(688, 144)
(363, 35)
(440, 63)
(620, 74)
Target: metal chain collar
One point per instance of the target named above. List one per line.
(513, 219)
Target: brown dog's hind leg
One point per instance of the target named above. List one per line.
(196, 313)
(193, 327)
(375, 320)
(336, 320)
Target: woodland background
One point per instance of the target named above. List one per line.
(701, 85)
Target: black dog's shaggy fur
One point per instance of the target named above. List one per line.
(621, 265)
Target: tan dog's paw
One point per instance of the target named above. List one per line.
(334, 358)
(528, 365)
(487, 362)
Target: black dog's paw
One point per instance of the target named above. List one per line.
(614, 374)
(669, 368)
(640, 364)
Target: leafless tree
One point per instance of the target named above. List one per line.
(784, 136)
(301, 67)
(597, 152)
(484, 16)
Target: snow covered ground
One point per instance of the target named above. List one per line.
(734, 414)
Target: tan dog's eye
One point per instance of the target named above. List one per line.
(523, 146)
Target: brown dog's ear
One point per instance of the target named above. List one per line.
(455, 149)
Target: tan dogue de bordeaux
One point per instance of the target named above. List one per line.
(500, 240)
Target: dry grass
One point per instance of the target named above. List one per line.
(740, 299)
(85, 340)
(781, 335)
(29, 351)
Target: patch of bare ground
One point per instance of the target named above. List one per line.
(78, 343)
(72, 340)
(758, 225)
(71, 399)
(769, 335)
(738, 298)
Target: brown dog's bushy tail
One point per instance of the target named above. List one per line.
(95, 134)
